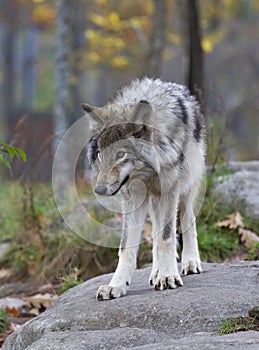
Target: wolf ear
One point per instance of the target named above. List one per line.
(95, 119)
(142, 113)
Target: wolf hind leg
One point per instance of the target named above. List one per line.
(190, 262)
(131, 233)
(164, 274)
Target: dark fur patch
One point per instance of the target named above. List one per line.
(119, 132)
(198, 127)
(163, 145)
(183, 109)
(92, 149)
(167, 231)
(181, 157)
(124, 236)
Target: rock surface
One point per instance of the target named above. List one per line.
(240, 187)
(186, 318)
(4, 247)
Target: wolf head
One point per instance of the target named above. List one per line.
(122, 145)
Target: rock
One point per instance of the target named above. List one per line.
(240, 187)
(4, 247)
(188, 317)
(13, 303)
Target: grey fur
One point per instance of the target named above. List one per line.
(159, 129)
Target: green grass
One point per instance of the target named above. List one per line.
(10, 200)
(4, 323)
(43, 247)
(237, 324)
(69, 281)
(216, 243)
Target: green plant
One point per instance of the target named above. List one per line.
(253, 253)
(8, 151)
(237, 324)
(70, 281)
(4, 322)
(216, 243)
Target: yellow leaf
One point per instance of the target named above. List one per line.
(136, 22)
(98, 20)
(91, 34)
(120, 62)
(207, 45)
(93, 57)
(101, 2)
(174, 38)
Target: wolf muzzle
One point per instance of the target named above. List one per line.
(106, 190)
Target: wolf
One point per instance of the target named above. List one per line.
(148, 144)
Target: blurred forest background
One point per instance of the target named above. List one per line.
(57, 54)
(98, 46)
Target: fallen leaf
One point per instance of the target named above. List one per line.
(4, 273)
(32, 267)
(12, 311)
(14, 326)
(247, 237)
(41, 300)
(234, 220)
(3, 336)
(35, 311)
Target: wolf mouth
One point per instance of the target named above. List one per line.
(122, 184)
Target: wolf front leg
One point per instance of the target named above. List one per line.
(131, 232)
(191, 262)
(164, 274)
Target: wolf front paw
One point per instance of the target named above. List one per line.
(153, 277)
(168, 282)
(109, 292)
(191, 266)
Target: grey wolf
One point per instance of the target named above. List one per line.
(148, 144)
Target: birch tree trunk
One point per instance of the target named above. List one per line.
(61, 104)
(157, 42)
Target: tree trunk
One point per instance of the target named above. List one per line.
(195, 73)
(61, 104)
(78, 40)
(157, 42)
(8, 10)
(63, 50)
(29, 67)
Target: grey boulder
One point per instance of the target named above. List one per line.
(240, 187)
(186, 318)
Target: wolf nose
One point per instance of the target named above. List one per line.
(101, 190)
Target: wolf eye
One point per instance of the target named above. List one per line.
(120, 154)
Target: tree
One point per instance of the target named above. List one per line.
(63, 50)
(8, 10)
(61, 104)
(157, 41)
(78, 41)
(195, 72)
(29, 67)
